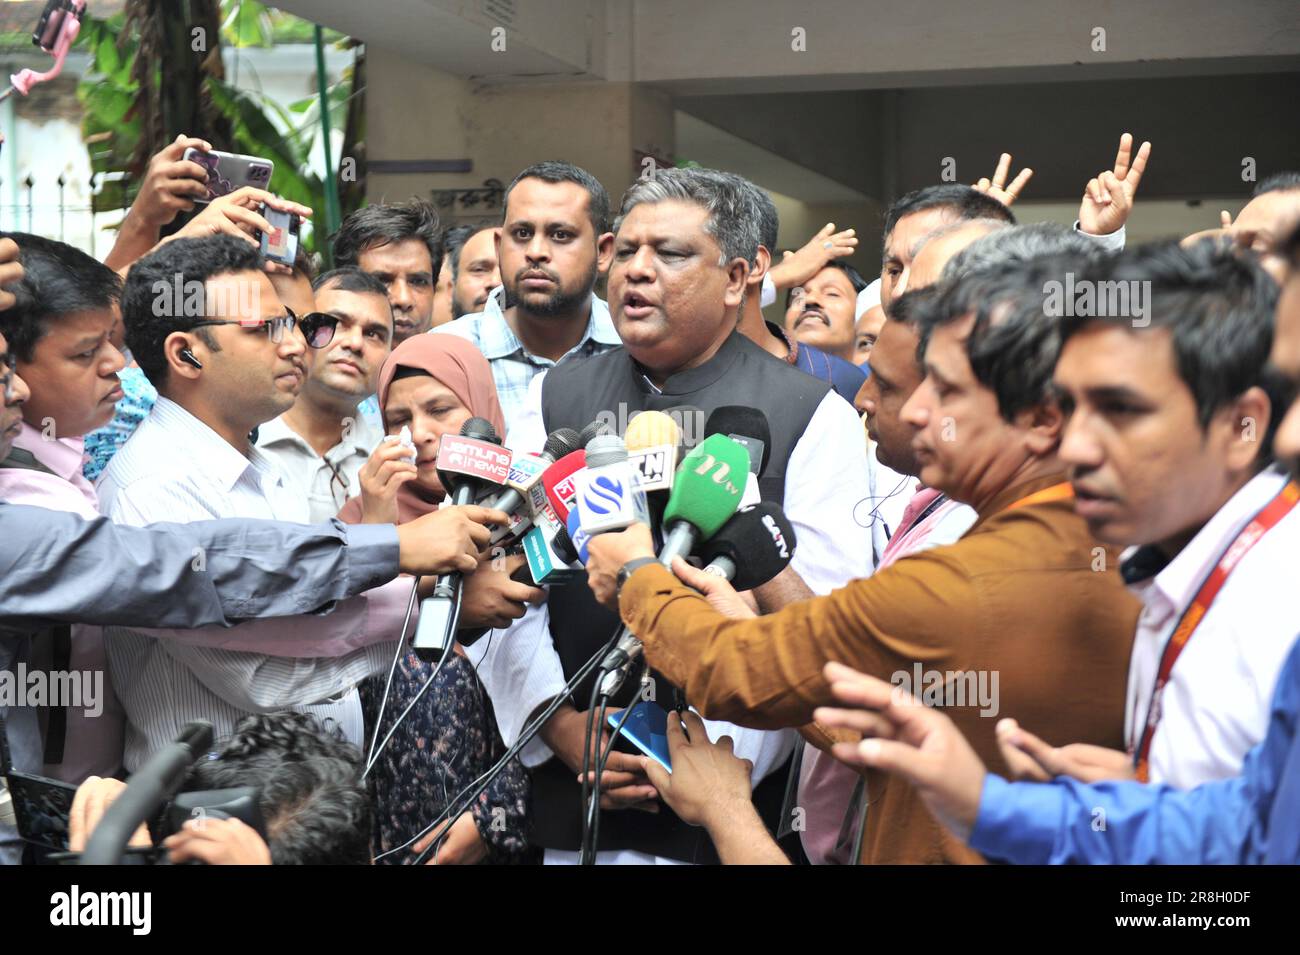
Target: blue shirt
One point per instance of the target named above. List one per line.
(844, 376)
(513, 366)
(1251, 818)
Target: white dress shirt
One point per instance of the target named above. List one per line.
(314, 476)
(176, 468)
(1215, 707)
(824, 483)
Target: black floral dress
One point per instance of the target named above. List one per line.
(443, 745)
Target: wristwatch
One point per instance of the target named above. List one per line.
(628, 569)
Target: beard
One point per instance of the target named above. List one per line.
(560, 302)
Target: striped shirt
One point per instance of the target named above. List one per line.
(513, 366)
(325, 482)
(176, 468)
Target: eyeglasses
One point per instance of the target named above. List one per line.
(9, 363)
(317, 328)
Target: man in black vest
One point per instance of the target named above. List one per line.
(682, 251)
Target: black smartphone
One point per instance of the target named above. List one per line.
(41, 805)
(41, 808)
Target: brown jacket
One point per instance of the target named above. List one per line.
(1026, 598)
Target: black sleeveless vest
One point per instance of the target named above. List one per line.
(611, 387)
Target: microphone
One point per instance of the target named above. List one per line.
(547, 548)
(590, 431)
(578, 538)
(524, 497)
(549, 552)
(705, 496)
(465, 462)
(653, 447)
(749, 427)
(560, 483)
(751, 548)
(607, 493)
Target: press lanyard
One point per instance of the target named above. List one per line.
(1264, 521)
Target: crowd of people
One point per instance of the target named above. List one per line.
(1040, 489)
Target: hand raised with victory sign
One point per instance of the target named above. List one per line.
(1108, 199)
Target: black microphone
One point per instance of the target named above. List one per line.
(590, 431)
(524, 483)
(749, 550)
(148, 788)
(746, 426)
(465, 462)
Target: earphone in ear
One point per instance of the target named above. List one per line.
(187, 356)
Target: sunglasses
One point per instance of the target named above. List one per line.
(317, 328)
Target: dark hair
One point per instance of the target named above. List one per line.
(1022, 243)
(1217, 304)
(151, 288)
(1278, 182)
(1015, 341)
(769, 221)
(379, 225)
(309, 787)
(966, 202)
(57, 280)
(1289, 249)
(303, 264)
(906, 309)
(454, 241)
(558, 171)
(726, 197)
(349, 278)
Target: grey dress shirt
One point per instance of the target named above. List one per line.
(59, 568)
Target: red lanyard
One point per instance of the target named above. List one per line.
(1250, 535)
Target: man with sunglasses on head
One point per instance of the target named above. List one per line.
(204, 323)
(323, 441)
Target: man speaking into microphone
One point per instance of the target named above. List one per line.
(1023, 614)
(681, 255)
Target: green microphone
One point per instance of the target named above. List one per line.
(706, 492)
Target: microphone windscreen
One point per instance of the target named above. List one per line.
(605, 449)
(708, 485)
(558, 482)
(651, 429)
(748, 426)
(480, 428)
(560, 442)
(758, 539)
(590, 431)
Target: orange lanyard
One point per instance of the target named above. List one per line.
(1261, 524)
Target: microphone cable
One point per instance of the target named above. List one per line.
(466, 796)
(591, 797)
(376, 752)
